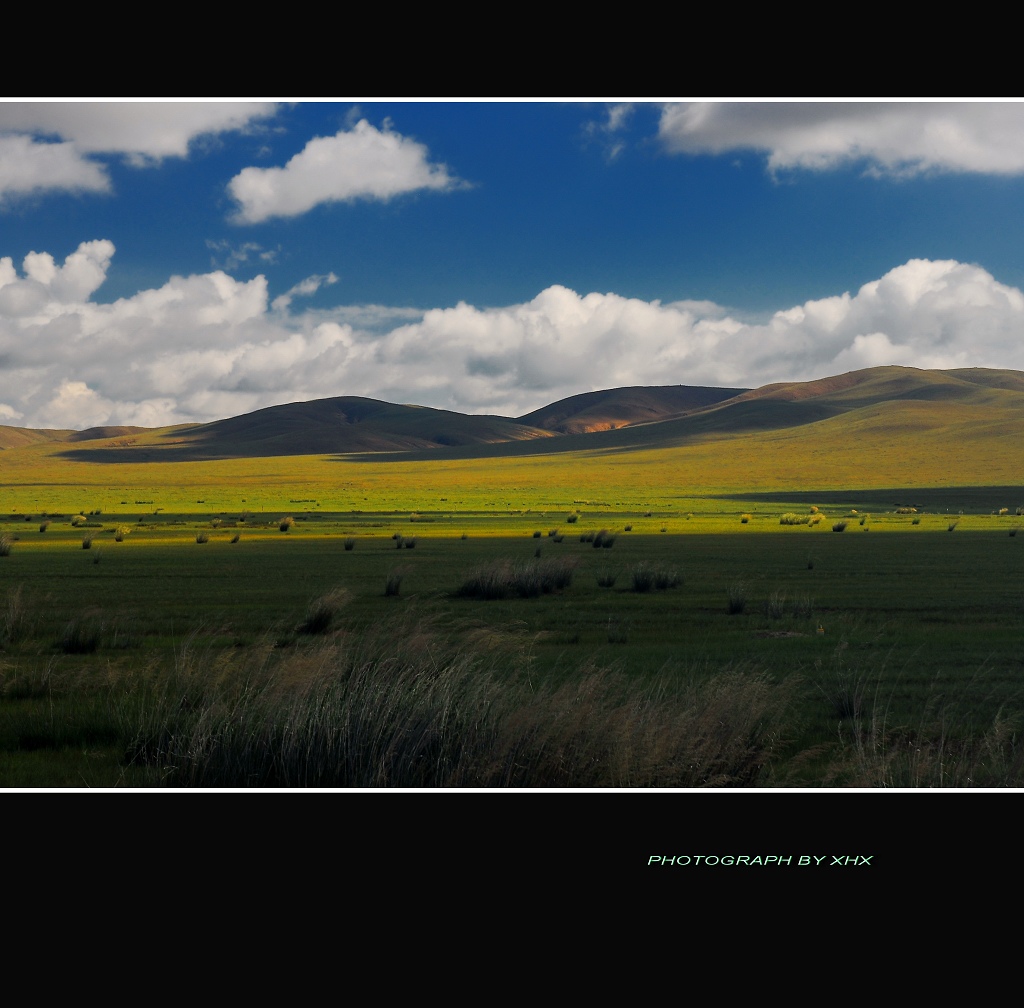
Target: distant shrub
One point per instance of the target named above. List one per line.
(774, 606)
(79, 520)
(87, 542)
(1013, 531)
(393, 584)
(5, 544)
(120, 532)
(906, 510)
(642, 577)
(80, 636)
(44, 526)
(665, 579)
(322, 612)
(789, 518)
(235, 538)
(410, 543)
(558, 538)
(863, 520)
(952, 525)
(627, 528)
(605, 580)
(839, 526)
(617, 632)
(350, 544)
(503, 579)
(915, 521)
(736, 602)
(286, 524)
(744, 519)
(572, 519)
(803, 607)
(600, 538)
(536, 535)
(202, 537)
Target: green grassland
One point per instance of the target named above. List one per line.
(808, 587)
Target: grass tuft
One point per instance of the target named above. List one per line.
(737, 600)
(502, 579)
(80, 636)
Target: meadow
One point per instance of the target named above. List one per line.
(815, 585)
(858, 638)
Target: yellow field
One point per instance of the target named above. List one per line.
(900, 447)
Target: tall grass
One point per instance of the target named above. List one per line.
(946, 746)
(415, 709)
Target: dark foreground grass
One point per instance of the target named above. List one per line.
(420, 704)
(419, 710)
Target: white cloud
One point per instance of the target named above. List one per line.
(361, 163)
(304, 288)
(52, 145)
(890, 137)
(150, 130)
(204, 347)
(228, 256)
(28, 167)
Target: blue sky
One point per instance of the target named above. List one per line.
(184, 261)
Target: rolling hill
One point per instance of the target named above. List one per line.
(970, 404)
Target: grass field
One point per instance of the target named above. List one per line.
(808, 585)
(887, 653)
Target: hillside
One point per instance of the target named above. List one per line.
(969, 403)
(624, 407)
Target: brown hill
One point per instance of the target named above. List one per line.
(622, 407)
(18, 437)
(623, 419)
(344, 425)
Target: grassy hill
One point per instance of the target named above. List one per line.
(886, 427)
(614, 408)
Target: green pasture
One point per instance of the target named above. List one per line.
(855, 581)
(901, 607)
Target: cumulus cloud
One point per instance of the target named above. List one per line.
(898, 138)
(28, 167)
(52, 145)
(360, 163)
(208, 346)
